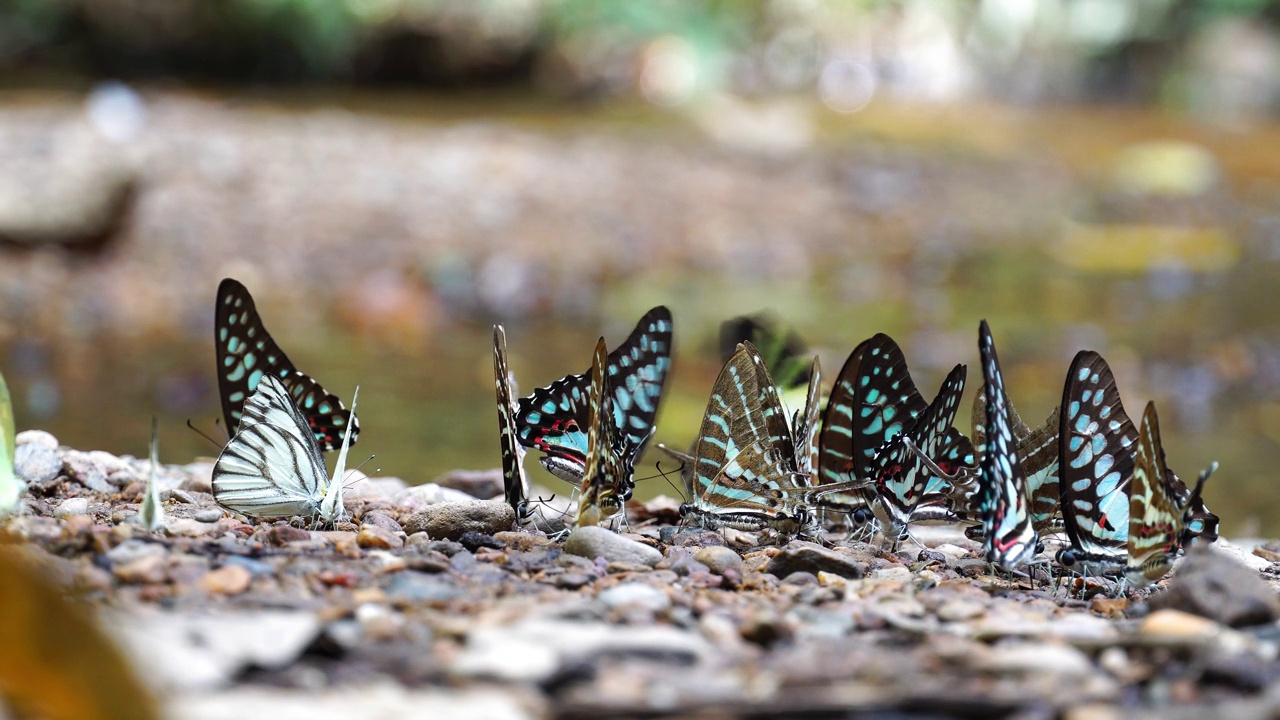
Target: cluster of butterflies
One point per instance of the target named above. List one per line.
(876, 454)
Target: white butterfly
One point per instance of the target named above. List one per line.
(273, 467)
(151, 515)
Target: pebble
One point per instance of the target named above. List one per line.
(72, 506)
(145, 570)
(131, 550)
(1212, 585)
(960, 610)
(597, 542)
(380, 519)
(373, 536)
(285, 534)
(1051, 659)
(1177, 624)
(208, 515)
(227, 580)
(800, 556)
(256, 567)
(719, 558)
(84, 469)
(428, 561)
(415, 586)
(452, 520)
(473, 541)
(1109, 607)
(635, 594)
(36, 437)
(37, 464)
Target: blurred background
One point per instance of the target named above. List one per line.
(391, 177)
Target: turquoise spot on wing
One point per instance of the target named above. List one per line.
(237, 374)
(254, 377)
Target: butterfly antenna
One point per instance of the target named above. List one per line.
(200, 432)
(666, 477)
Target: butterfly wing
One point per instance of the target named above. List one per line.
(272, 466)
(11, 488)
(246, 353)
(514, 480)
(332, 509)
(606, 473)
(807, 423)
(553, 419)
(151, 514)
(1155, 520)
(1009, 538)
(1096, 450)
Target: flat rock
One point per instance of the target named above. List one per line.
(36, 463)
(593, 542)
(1175, 624)
(719, 558)
(452, 520)
(800, 556)
(36, 437)
(71, 506)
(87, 471)
(375, 536)
(635, 594)
(415, 586)
(227, 580)
(1212, 585)
(1033, 657)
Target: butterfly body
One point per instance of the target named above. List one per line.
(246, 353)
(608, 465)
(1009, 539)
(272, 466)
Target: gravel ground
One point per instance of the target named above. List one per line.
(428, 603)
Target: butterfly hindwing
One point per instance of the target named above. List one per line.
(606, 474)
(246, 353)
(515, 482)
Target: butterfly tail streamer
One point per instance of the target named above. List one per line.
(332, 509)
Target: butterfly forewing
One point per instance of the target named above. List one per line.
(1009, 539)
(246, 354)
(807, 423)
(1155, 520)
(1096, 454)
(606, 473)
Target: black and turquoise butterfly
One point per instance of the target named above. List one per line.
(1038, 451)
(1096, 448)
(1160, 509)
(1009, 539)
(876, 426)
(745, 471)
(515, 482)
(246, 353)
(554, 419)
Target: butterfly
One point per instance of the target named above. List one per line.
(745, 470)
(1158, 515)
(1009, 539)
(151, 514)
(554, 419)
(11, 488)
(272, 466)
(782, 349)
(1038, 451)
(608, 467)
(877, 427)
(514, 480)
(1096, 449)
(246, 354)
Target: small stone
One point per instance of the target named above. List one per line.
(428, 561)
(257, 567)
(208, 515)
(473, 541)
(479, 484)
(387, 562)
(37, 464)
(227, 580)
(1032, 658)
(452, 520)
(593, 542)
(617, 568)
(1214, 586)
(635, 594)
(1266, 553)
(414, 586)
(573, 580)
(522, 541)
(800, 577)
(145, 570)
(800, 556)
(1109, 607)
(893, 572)
(131, 550)
(719, 558)
(72, 506)
(87, 471)
(382, 520)
(36, 437)
(372, 536)
(285, 534)
(960, 610)
(1178, 624)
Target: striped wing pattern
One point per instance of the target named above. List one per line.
(1038, 451)
(554, 419)
(807, 422)
(1009, 538)
(607, 471)
(1158, 513)
(246, 354)
(514, 480)
(1096, 454)
(272, 466)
